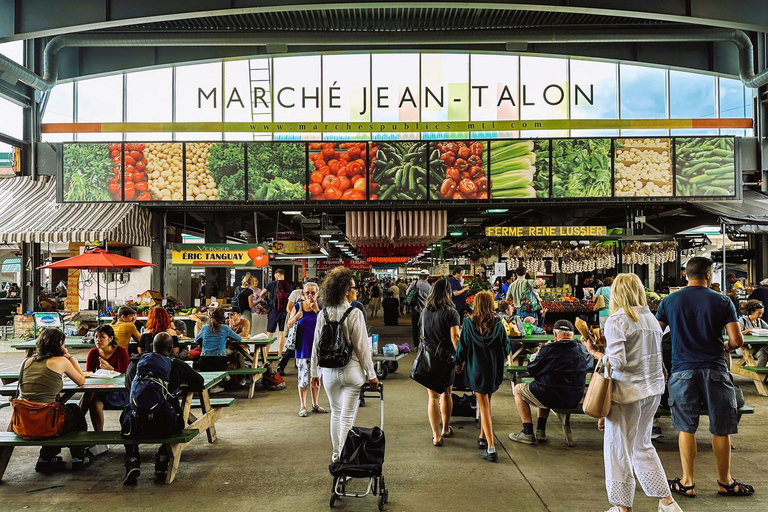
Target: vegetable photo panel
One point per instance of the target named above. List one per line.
(399, 171)
(156, 170)
(643, 167)
(519, 169)
(215, 171)
(337, 171)
(581, 168)
(93, 172)
(457, 170)
(276, 171)
(705, 166)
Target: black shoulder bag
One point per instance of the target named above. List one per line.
(434, 365)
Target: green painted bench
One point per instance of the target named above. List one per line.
(215, 402)
(254, 374)
(3, 405)
(176, 443)
(757, 369)
(564, 415)
(273, 357)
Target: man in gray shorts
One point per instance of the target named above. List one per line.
(559, 371)
(696, 316)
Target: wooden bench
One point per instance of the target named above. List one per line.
(564, 415)
(176, 443)
(215, 403)
(254, 374)
(757, 369)
(513, 372)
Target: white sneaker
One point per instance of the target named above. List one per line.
(216, 389)
(672, 507)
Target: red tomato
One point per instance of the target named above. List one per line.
(318, 197)
(113, 147)
(130, 193)
(344, 183)
(144, 196)
(129, 146)
(330, 181)
(113, 188)
(360, 185)
(139, 176)
(315, 189)
(374, 187)
(142, 186)
(332, 193)
(128, 176)
(136, 156)
(139, 147)
(117, 159)
(114, 153)
(129, 160)
(141, 164)
(353, 195)
(316, 177)
(374, 197)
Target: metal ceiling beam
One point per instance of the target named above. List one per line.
(25, 19)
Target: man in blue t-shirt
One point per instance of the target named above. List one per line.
(696, 316)
(458, 290)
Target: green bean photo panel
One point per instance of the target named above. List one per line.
(705, 166)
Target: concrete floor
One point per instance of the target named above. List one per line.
(267, 458)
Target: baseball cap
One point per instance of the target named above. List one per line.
(564, 325)
(236, 309)
(424, 272)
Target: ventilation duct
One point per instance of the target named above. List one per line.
(11, 71)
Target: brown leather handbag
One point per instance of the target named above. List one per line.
(34, 420)
(598, 400)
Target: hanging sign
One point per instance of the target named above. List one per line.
(221, 255)
(544, 231)
(293, 247)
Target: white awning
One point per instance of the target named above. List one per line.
(29, 213)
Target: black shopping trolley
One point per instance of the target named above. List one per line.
(362, 457)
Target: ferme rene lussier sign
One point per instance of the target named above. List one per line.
(544, 231)
(401, 87)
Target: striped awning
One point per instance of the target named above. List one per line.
(29, 213)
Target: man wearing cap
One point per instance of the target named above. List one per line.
(559, 371)
(423, 288)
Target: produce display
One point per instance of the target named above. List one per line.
(519, 169)
(457, 170)
(163, 164)
(276, 171)
(205, 162)
(337, 171)
(581, 168)
(643, 168)
(567, 305)
(705, 166)
(400, 171)
(91, 172)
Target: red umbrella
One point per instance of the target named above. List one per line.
(97, 259)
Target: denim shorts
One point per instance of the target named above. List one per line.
(690, 390)
(276, 321)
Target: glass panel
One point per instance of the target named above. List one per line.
(581, 168)
(10, 158)
(215, 171)
(519, 169)
(198, 94)
(691, 95)
(14, 51)
(705, 166)
(162, 166)
(92, 172)
(297, 82)
(337, 171)
(346, 92)
(643, 92)
(238, 93)
(445, 89)
(735, 101)
(100, 100)
(149, 96)
(593, 90)
(495, 92)
(198, 136)
(643, 167)
(276, 171)
(395, 96)
(399, 171)
(11, 119)
(458, 170)
(59, 109)
(544, 92)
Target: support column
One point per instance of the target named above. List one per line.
(215, 278)
(30, 275)
(158, 252)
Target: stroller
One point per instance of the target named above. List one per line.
(362, 457)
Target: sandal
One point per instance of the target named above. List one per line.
(303, 412)
(730, 490)
(317, 408)
(678, 488)
(439, 442)
(449, 432)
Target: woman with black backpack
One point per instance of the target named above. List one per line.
(345, 372)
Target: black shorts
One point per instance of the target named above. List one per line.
(276, 321)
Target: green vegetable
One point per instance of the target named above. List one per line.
(581, 168)
(398, 170)
(87, 171)
(705, 166)
(276, 171)
(226, 163)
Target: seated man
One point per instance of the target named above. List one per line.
(559, 371)
(143, 376)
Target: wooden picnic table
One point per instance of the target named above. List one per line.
(739, 366)
(205, 422)
(75, 342)
(259, 350)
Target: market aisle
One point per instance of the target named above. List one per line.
(267, 458)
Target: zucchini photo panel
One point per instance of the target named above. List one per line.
(705, 166)
(399, 171)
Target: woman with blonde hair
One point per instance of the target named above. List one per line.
(633, 349)
(483, 348)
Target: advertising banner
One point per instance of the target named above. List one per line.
(544, 231)
(293, 247)
(221, 255)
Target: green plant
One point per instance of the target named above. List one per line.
(87, 171)
(226, 162)
(581, 168)
(276, 171)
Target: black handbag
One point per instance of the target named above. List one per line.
(434, 365)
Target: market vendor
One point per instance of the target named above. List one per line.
(587, 280)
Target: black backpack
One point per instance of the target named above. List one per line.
(334, 350)
(153, 410)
